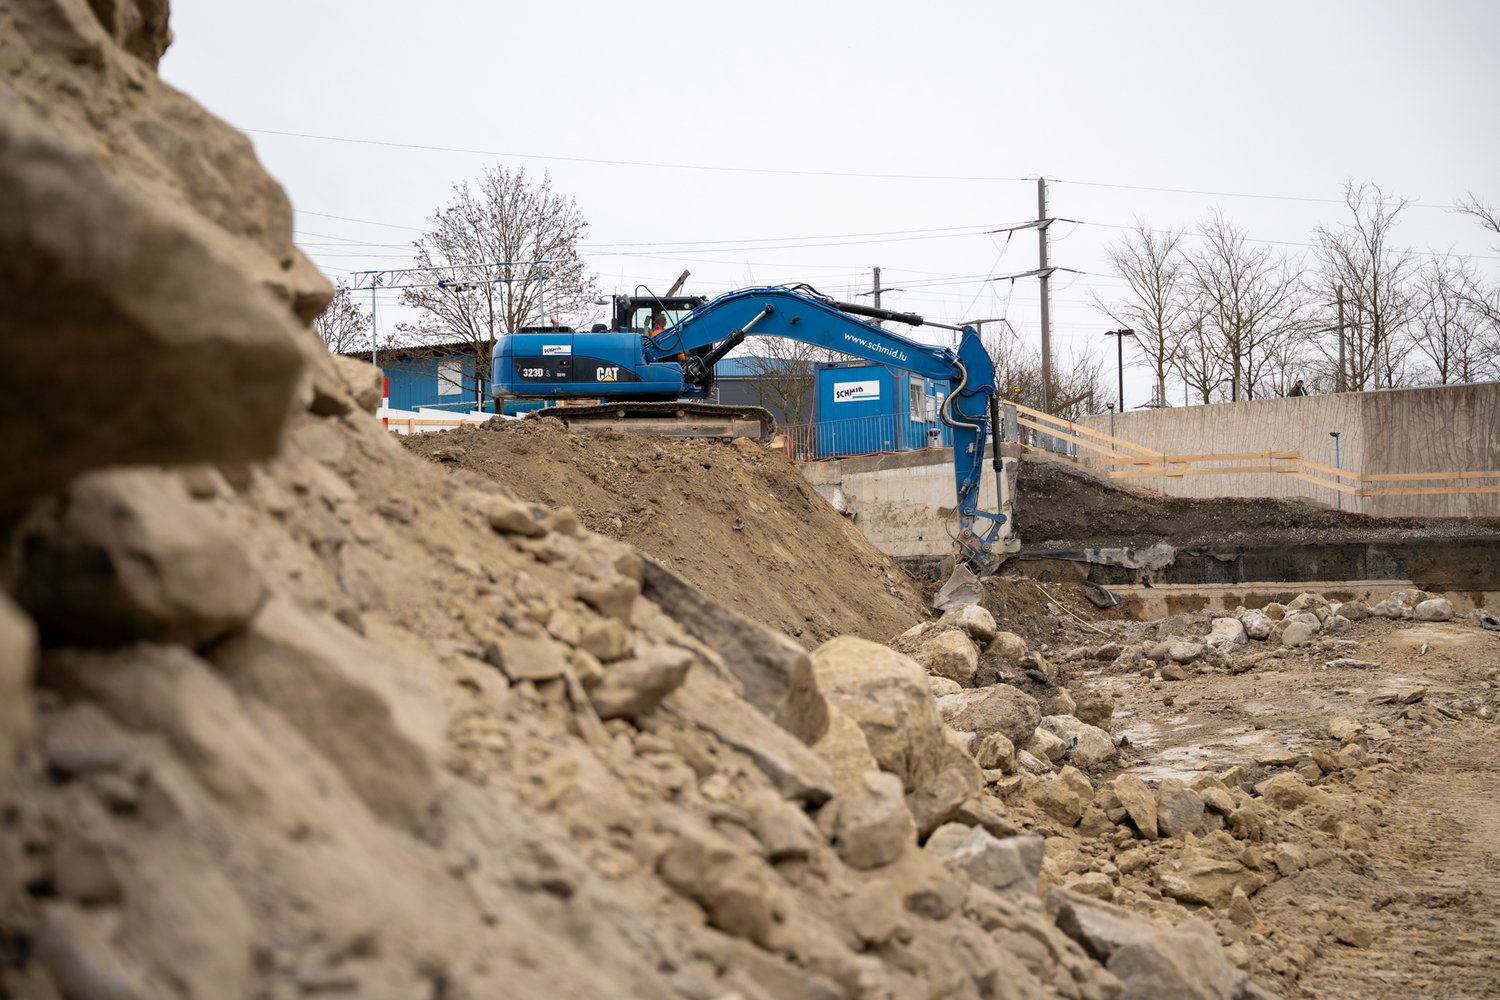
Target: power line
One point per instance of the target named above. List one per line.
(1229, 194)
(1188, 234)
(630, 163)
(717, 168)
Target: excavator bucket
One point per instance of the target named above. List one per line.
(962, 587)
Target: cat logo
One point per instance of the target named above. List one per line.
(611, 374)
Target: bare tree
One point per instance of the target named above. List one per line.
(1486, 215)
(784, 374)
(1249, 301)
(1377, 281)
(1078, 385)
(1199, 363)
(529, 235)
(1449, 330)
(1152, 266)
(1484, 299)
(343, 325)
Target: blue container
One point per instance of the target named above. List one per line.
(865, 409)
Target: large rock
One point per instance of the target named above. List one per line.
(634, 687)
(1087, 745)
(999, 863)
(300, 667)
(1138, 802)
(1094, 706)
(1296, 633)
(1315, 604)
(996, 752)
(1007, 646)
(798, 772)
(126, 555)
(1179, 810)
(1257, 624)
(1353, 610)
(1205, 881)
(186, 333)
(999, 708)
(774, 673)
(1226, 630)
(737, 890)
(17, 660)
(973, 619)
(1153, 963)
(872, 826)
(1438, 609)
(1176, 650)
(886, 695)
(1391, 607)
(951, 654)
(1335, 625)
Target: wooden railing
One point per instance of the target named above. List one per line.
(1127, 460)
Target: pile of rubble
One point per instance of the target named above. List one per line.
(289, 711)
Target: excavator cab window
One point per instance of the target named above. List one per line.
(634, 313)
(642, 318)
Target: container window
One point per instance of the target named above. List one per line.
(450, 378)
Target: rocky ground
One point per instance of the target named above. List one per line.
(1322, 792)
(289, 711)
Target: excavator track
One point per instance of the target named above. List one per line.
(668, 419)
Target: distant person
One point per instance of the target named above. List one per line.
(1298, 390)
(658, 324)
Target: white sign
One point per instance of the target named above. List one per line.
(848, 392)
(551, 349)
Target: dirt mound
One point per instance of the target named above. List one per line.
(737, 520)
(1060, 506)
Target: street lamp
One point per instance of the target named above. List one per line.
(1338, 494)
(1120, 336)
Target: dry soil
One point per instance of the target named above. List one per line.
(737, 520)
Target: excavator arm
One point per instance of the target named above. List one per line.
(704, 336)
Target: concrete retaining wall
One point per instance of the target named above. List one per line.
(1438, 429)
(904, 502)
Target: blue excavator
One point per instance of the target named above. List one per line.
(657, 359)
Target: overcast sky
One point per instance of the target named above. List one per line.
(917, 124)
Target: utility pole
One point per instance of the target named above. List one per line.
(877, 290)
(1338, 382)
(1044, 274)
(373, 329)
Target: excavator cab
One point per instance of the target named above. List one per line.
(636, 312)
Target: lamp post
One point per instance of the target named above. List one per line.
(1120, 336)
(1338, 494)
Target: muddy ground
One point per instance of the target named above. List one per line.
(1060, 506)
(737, 520)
